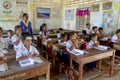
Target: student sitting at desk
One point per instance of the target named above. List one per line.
(2, 40)
(59, 34)
(92, 44)
(101, 34)
(16, 38)
(63, 39)
(95, 30)
(87, 30)
(114, 41)
(44, 32)
(9, 38)
(26, 50)
(72, 43)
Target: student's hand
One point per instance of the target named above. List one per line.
(71, 47)
(96, 44)
(17, 42)
(30, 54)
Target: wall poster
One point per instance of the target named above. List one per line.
(107, 19)
(69, 15)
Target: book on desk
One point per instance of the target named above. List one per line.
(30, 61)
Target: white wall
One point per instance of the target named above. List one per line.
(116, 20)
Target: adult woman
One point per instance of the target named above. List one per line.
(26, 24)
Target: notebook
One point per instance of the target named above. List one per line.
(3, 67)
(30, 61)
(100, 47)
(78, 52)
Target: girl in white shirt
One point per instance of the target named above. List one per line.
(26, 50)
(72, 43)
(93, 41)
(44, 32)
(92, 44)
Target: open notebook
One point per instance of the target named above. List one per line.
(30, 61)
(100, 47)
(78, 52)
(3, 67)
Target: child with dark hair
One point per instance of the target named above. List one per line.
(101, 34)
(60, 32)
(63, 39)
(92, 44)
(72, 43)
(44, 32)
(26, 50)
(16, 38)
(87, 29)
(9, 38)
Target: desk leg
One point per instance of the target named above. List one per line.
(80, 71)
(48, 73)
(99, 65)
(70, 61)
(112, 58)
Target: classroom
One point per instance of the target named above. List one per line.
(59, 39)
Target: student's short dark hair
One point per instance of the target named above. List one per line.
(1, 29)
(87, 24)
(92, 36)
(84, 32)
(72, 33)
(24, 35)
(17, 26)
(94, 27)
(100, 28)
(118, 31)
(25, 14)
(60, 29)
(9, 30)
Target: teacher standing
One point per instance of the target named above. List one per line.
(26, 24)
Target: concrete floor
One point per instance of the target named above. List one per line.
(55, 75)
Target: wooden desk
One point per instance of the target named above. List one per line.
(16, 72)
(93, 55)
(8, 56)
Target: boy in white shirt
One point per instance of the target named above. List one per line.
(16, 38)
(59, 34)
(88, 29)
(9, 38)
(95, 30)
(26, 50)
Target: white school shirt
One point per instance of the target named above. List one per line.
(2, 42)
(41, 33)
(14, 39)
(91, 43)
(8, 40)
(88, 31)
(58, 35)
(22, 51)
(114, 38)
(69, 44)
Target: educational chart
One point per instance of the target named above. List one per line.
(107, 19)
(69, 15)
